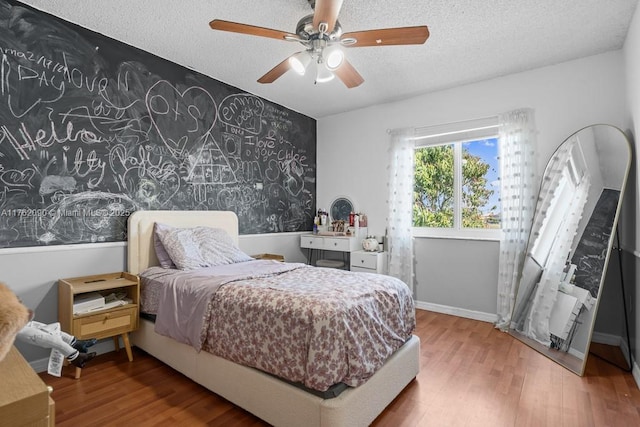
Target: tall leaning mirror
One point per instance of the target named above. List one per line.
(570, 244)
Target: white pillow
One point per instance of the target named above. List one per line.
(192, 248)
(161, 253)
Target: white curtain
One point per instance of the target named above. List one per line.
(400, 207)
(518, 193)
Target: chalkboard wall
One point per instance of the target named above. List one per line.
(92, 129)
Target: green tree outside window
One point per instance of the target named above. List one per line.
(434, 184)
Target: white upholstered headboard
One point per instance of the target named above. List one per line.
(140, 251)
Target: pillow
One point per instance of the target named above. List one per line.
(161, 252)
(192, 248)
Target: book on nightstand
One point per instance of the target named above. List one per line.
(87, 302)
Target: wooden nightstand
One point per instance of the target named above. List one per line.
(103, 323)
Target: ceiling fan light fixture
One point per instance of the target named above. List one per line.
(333, 57)
(299, 62)
(323, 74)
(322, 36)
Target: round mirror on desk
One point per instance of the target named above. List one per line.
(340, 209)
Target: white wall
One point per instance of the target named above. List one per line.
(630, 215)
(352, 157)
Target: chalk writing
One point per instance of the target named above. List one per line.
(92, 130)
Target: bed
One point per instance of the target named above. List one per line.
(274, 400)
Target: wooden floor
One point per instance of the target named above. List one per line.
(471, 375)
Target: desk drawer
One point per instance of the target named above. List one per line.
(364, 260)
(312, 242)
(106, 324)
(337, 244)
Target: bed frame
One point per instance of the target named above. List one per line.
(265, 396)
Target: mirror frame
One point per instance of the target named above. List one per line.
(564, 357)
(340, 209)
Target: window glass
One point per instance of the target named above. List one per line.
(457, 188)
(480, 184)
(433, 187)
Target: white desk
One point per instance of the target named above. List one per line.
(344, 244)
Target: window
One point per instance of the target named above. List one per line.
(456, 181)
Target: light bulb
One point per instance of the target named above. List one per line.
(324, 74)
(299, 62)
(333, 57)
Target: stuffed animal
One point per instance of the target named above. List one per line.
(13, 317)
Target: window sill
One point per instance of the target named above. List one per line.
(484, 235)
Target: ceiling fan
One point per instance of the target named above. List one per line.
(321, 35)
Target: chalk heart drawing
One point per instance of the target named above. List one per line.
(181, 118)
(16, 178)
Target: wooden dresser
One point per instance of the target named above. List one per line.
(24, 397)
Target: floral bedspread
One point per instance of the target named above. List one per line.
(309, 325)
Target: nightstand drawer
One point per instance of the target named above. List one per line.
(364, 260)
(370, 262)
(106, 324)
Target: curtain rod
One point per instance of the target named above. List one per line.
(422, 128)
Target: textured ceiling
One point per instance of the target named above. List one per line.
(470, 41)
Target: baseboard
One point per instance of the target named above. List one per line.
(40, 365)
(609, 339)
(622, 343)
(602, 338)
(455, 311)
(101, 347)
(636, 373)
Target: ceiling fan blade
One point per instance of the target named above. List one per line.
(275, 72)
(235, 27)
(326, 11)
(388, 36)
(349, 75)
